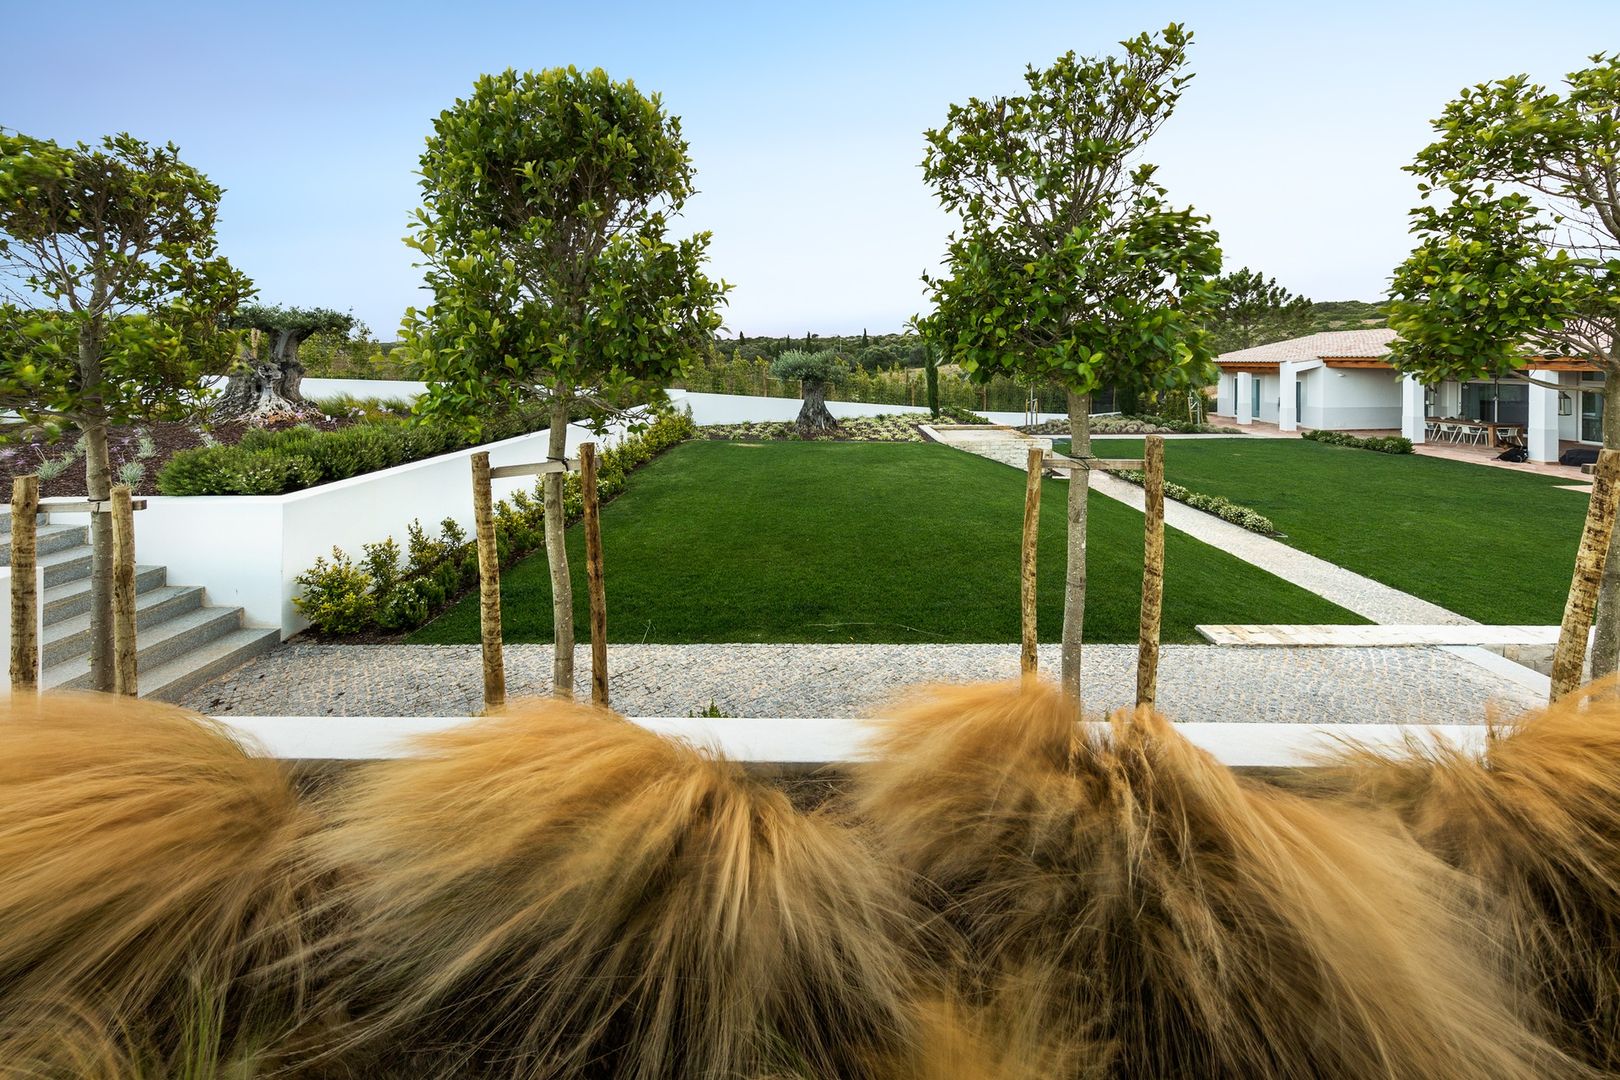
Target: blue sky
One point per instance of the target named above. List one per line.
(805, 122)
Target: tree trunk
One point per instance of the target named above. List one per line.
(1583, 588)
(98, 485)
(1074, 593)
(266, 390)
(1606, 643)
(814, 419)
(562, 585)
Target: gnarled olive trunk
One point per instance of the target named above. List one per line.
(1606, 621)
(814, 419)
(562, 585)
(1074, 591)
(266, 389)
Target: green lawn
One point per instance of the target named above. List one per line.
(863, 542)
(1491, 544)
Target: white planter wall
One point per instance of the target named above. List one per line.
(245, 550)
(745, 409)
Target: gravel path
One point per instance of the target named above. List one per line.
(1351, 591)
(1197, 682)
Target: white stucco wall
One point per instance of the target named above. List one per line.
(1344, 399)
(746, 408)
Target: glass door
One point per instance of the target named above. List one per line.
(1254, 384)
(1591, 416)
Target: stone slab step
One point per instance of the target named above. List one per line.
(155, 646)
(1376, 636)
(173, 680)
(73, 597)
(71, 636)
(67, 564)
(50, 538)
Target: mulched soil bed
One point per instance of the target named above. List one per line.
(855, 429)
(123, 446)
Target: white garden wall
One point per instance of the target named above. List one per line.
(245, 550)
(745, 408)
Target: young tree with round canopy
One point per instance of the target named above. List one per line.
(264, 384)
(112, 306)
(1069, 266)
(545, 237)
(1518, 252)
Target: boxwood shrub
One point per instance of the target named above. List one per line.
(1223, 508)
(1383, 444)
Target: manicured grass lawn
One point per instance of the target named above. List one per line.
(863, 542)
(1491, 544)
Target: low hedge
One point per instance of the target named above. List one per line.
(388, 590)
(268, 462)
(1223, 508)
(1383, 444)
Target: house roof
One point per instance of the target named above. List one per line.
(1339, 344)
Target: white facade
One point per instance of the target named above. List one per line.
(1318, 396)
(1559, 407)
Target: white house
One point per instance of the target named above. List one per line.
(1342, 380)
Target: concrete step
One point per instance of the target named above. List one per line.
(50, 538)
(73, 597)
(172, 680)
(155, 646)
(71, 636)
(67, 564)
(40, 518)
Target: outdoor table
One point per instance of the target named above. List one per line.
(1499, 433)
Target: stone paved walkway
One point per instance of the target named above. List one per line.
(1197, 682)
(1368, 598)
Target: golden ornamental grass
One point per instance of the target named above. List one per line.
(1160, 912)
(145, 880)
(1537, 821)
(557, 892)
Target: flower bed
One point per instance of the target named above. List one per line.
(390, 591)
(1225, 509)
(1383, 444)
(894, 428)
(1132, 425)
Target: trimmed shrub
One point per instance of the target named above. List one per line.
(1223, 508)
(1383, 444)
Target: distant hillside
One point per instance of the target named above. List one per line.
(1345, 315)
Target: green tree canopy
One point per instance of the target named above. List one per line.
(1070, 265)
(545, 237)
(1518, 250)
(1254, 310)
(112, 304)
(823, 366)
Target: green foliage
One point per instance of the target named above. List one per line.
(1069, 266)
(1383, 444)
(336, 596)
(958, 415)
(396, 594)
(1223, 508)
(544, 234)
(297, 323)
(267, 462)
(1517, 234)
(118, 242)
(823, 367)
(1254, 310)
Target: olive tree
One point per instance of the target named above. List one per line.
(815, 371)
(114, 301)
(1069, 266)
(545, 237)
(1518, 251)
(264, 384)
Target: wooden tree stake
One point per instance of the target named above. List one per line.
(1147, 648)
(1569, 656)
(489, 585)
(123, 593)
(24, 594)
(593, 574)
(1028, 658)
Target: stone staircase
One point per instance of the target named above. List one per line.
(180, 641)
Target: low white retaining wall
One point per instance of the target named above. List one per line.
(245, 550)
(809, 741)
(383, 389)
(745, 408)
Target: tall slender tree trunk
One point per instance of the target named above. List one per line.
(1074, 592)
(98, 487)
(1606, 642)
(562, 585)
